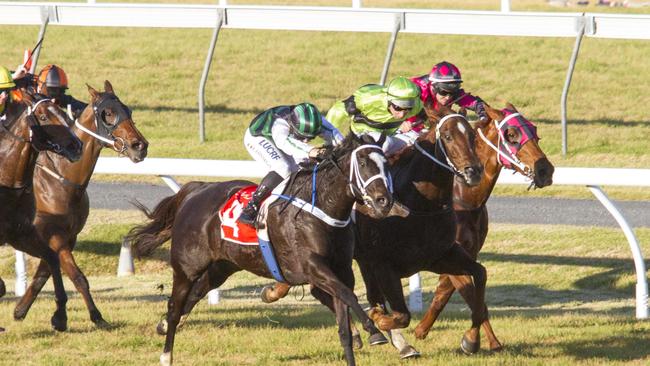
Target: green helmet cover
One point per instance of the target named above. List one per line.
(402, 92)
(306, 120)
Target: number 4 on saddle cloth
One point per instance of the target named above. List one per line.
(243, 234)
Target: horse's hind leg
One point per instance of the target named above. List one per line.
(440, 299)
(458, 262)
(275, 292)
(211, 279)
(38, 281)
(180, 289)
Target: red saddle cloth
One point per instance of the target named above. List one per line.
(232, 230)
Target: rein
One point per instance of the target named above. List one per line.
(449, 165)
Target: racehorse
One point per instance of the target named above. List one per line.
(60, 189)
(308, 248)
(32, 124)
(393, 248)
(508, 140)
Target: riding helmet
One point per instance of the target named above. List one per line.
(445, 76)
(306, 121)
(52, 76)
(402, 92)
(6, 81)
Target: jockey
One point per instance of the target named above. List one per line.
(442, 87)
(7, 84)
(278, 138)
(375, 109)
(53, 82)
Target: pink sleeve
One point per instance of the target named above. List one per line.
(467, 100)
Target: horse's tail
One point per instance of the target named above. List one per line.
(149, 236)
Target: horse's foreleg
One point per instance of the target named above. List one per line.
(458, 262)
(40, 278)
(60, 318)
(275, 292)
(320, 275)
(345, 336)
(443, 292)
(81, 283)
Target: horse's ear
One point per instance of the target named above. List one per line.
(512, 107)
(382, 139)
(108, 87)
(93, 93)
(463, 112)
(492, 113)
(27, 98)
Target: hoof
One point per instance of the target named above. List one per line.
(421, 334)
(60, 325)
(102, 324)
(496, 348)
(408, 352)
(377, 339)
(20, 313)
(166, 359)
(161, 329)
(2, 329)
(3, 289)
(357, 343)
(468, 347)
(264, 294)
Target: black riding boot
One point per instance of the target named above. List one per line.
(268, 183)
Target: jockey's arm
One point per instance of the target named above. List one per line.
(281, 134)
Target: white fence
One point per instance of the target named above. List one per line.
(592, 178)
(357, 19)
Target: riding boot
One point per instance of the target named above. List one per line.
(268, 183)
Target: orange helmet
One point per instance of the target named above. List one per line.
(52, 76)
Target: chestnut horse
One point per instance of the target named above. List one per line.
(308, 249)
(506, 139)
(34, 124)
(60, 189)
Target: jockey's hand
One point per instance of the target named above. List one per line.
(405, 127)
(20, 72)
(316, 153)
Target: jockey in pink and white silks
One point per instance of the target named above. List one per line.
(440, 87)
(278, 138)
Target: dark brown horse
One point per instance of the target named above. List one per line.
(60, 189)
(506, 131)
(34, 124)
(308, 250)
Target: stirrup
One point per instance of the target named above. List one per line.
(247, 219)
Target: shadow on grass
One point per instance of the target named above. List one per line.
(623, 347)
(604, 122)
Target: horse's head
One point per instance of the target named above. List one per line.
(115, 124)
(50, 127)
(519, 139)
(457, 143)
(367, 169)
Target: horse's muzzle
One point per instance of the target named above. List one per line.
(473, 175)
(543, 173)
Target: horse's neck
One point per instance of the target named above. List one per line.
(18, 157)
(79, 172)
(332, 192)
(467, 197)
(425, 178)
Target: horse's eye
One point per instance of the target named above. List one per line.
(362, 162)
(447, 136)
(42, 117)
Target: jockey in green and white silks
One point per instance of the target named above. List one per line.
(6, 85)
(278, 138)
(375, 109)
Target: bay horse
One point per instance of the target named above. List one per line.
(62, 203)
(33, 123)
(308, 250)
(509, 140)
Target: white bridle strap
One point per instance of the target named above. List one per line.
(354, 172)
(509, 157)
(31, 109)
(91, 133)
(449, 166)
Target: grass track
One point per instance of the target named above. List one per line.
(558, 295)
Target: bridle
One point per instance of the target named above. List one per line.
(449, 165)
(104, 130)
(35, 128)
